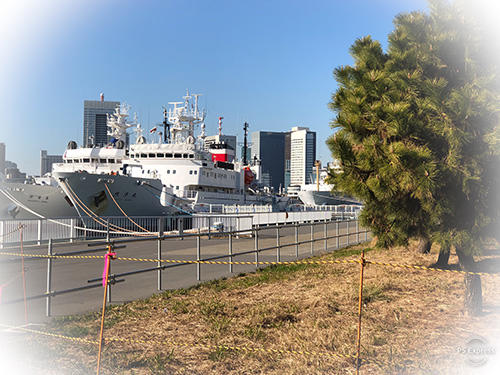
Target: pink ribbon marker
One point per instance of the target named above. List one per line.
(107, 257)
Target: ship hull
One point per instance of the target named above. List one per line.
(129, 196)
(321, 198)
(18, 199)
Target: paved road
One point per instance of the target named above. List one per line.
(75, 273)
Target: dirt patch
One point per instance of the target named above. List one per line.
(413, 322)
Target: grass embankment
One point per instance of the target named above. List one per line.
(412, 319)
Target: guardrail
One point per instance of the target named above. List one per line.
(340, 229)
(40, 231)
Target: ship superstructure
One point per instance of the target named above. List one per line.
(179, 166)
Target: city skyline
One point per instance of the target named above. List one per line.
(267, 63)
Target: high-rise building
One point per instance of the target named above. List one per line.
(302, 155)
(269, 148)
(95, 120)
(249, 153)
(2, 158)
(46, 161)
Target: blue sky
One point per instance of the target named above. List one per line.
(268, 63)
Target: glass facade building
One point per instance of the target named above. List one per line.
(95, 127)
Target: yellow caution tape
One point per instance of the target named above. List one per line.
(186, 345)
(410, 266)
(338, 261)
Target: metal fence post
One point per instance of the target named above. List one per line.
(72, 230)
(181, 227)
(312, 238)
(366, 234)
(337, 242)
(209, 227)
(49, 279)
(347, 231)
(296, 240)
(198, 257)
(160, 233)
(357, 231)
(39, 234)
(326, 236)
(256, 248)
(278, 251)
(230, 252)
(108, 290)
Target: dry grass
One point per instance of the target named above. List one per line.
(412, 319)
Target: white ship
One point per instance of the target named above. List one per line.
(319, 192)
(171, 175)
(41, 197)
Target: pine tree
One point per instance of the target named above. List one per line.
(417, 135)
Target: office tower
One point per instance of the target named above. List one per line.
(302, 155)
(287, 165)
(2, 158)
(46, 161)
(95, 116)
(249, 154)
(269, 148)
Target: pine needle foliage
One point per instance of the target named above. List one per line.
(417, 130)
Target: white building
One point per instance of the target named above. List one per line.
(302, 155)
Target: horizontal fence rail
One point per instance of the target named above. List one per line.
(38, 231)
(208, 227)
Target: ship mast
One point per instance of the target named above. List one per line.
(245, 143)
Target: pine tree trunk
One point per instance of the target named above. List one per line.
(424, 245)
(473, 299)
(444, 256)
(473, 295)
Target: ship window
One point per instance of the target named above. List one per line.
(94, 160)
(143, 155)
(185, 156)
(195, 172)
(177, 187)
(111, 161)
(102, 160)
(190, 172)
(168, 171)
(152, 155)
(177, 155)
(69, 161)
(160, 155)
(173, 171)
(168, 155)
(191, 156)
